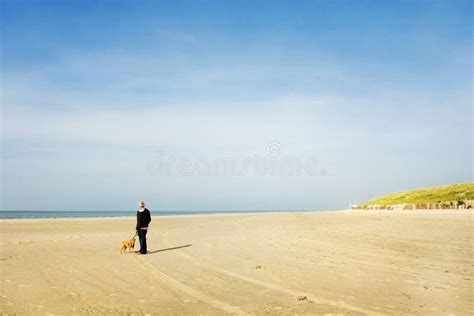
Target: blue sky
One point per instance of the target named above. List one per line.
(378, 93)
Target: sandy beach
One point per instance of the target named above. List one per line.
(347, 262)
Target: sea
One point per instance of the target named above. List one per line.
(78, 214)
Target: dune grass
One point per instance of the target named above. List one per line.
(444, 193)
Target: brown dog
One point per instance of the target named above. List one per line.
(128, 244)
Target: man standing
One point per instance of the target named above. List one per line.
(143, 220)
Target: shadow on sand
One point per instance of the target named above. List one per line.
(166, 249)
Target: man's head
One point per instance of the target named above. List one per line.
(141, 204)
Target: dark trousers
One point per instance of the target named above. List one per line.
(142, 238)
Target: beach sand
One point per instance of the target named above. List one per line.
(347, 262)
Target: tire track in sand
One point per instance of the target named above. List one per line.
(291, 292)
(188, 290)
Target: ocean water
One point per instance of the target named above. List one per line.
(71, 214)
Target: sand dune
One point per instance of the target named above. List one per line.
(351, 262)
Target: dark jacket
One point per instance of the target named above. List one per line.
(143, 219)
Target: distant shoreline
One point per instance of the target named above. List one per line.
(230, 213)
(9, 215)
